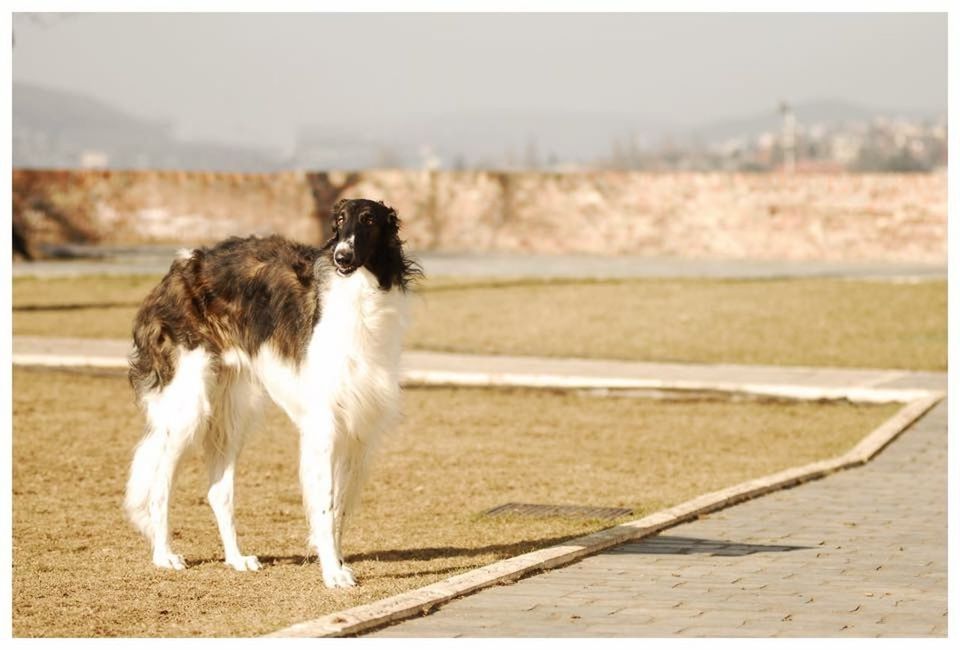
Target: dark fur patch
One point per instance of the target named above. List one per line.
(244, 292)
(240, 293)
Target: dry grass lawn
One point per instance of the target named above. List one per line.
(80, 570)
(807, 322)
(94, 306)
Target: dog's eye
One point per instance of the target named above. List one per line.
(340, 220)
(366, 220)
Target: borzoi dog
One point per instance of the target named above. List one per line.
(319, 330)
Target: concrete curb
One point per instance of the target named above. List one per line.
(420, 601)
(415, 377)
(789, 391)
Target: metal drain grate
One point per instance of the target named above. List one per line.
(570, 512)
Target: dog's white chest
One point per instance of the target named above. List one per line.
(354, 354)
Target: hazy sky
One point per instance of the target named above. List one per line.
(255, 78)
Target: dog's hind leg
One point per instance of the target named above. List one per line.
(234, 415)
(174, 415)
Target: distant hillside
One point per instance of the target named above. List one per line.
(56, 128)
(519, 138)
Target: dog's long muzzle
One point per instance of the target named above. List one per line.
(345, 257)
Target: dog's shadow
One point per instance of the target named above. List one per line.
(654, 545)
(425, 554)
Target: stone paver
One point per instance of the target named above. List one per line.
(859, 553)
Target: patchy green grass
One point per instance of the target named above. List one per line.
(80, 570)
(806, 322)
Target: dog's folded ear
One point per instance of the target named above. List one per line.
(392, 219)
(335, 210)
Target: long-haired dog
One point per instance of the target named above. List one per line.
(318, 330)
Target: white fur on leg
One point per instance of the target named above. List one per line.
(136, 501)
(236, 407)
(349, 467)
(174, 416)
(341, 578)
(316, 478)
(220, 497)
(168, 560)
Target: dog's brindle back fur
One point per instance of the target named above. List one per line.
(243, 292)
(318, 328)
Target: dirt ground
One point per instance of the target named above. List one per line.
(806, 322)
(80, 570)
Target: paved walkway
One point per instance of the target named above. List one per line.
(859, 553)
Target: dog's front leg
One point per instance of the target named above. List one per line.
(317, 437)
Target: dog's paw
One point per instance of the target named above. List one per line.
(339, 578)
(169, 561)
(244, 563)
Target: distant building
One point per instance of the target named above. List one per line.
(845, 148)
(878, 144)
(93, 159)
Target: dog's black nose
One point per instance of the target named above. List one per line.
(343, 257)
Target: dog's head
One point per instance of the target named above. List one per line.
(366, 234)
(360, 227)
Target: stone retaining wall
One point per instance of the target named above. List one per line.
(879, 217)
